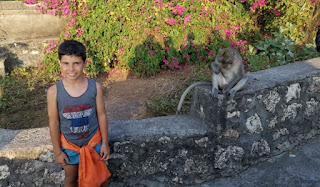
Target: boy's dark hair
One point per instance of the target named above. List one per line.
(72, 47)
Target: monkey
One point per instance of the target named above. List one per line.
(228, 75)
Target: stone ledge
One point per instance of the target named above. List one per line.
(30, 143)
(278, 110)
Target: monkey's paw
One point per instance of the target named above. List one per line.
(231, 94)
(215, 92)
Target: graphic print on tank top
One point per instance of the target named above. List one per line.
(79, 116)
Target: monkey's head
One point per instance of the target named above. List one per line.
(225, 58)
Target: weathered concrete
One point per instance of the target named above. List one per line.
(24, 34)
(21, 22)
(269, 117)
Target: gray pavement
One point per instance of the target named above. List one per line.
(301, 168)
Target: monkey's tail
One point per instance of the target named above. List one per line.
(188, 90)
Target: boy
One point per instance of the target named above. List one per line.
(78, 121)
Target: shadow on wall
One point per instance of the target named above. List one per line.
(9, 60)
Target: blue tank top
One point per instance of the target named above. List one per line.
(78, 115)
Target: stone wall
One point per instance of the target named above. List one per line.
(278, 109)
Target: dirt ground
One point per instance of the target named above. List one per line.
(127, 95)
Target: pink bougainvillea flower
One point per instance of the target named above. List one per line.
(262, 2)
(66, 34)
(71, 23)
(185, 37)
(227, 33)
(178, 10)
(79, 31)
(65, 11)
(74, 13)
(187, 18)
(171, 21)
(275, 11)
(185, 44)
(120, 51)
(30, 2)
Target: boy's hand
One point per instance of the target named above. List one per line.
(62, 159)
(105, 152)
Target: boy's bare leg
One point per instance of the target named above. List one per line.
(105, 183)
(71, 175)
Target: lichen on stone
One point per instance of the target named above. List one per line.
(254, 124)
(4, 172)
(311, 107)
(293, 92)
(272, 100)
(290, 111)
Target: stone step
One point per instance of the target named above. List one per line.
(21, 22)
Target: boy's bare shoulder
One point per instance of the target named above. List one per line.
(98, 85)
(52, 90)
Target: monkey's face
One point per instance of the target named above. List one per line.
(224, 63)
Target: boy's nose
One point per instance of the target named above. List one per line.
(71, 67)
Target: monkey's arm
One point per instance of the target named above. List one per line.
(238, 86)
(231, 84)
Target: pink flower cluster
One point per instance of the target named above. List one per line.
(178, 10)
(30, 2)
(63, 6)
(186, 42)
(79, 32)
(187, 18)
(52, 45)
(170, 21)
(159, 4)
(275, 11)
(174, 64)
(240, 45)
(71, 23)
(204, 12)
(255, 4)
(229, 32)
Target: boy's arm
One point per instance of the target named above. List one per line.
(54, 124)
(103, 123)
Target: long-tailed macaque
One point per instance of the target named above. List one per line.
(228, 75)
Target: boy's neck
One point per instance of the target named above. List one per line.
(75, 82)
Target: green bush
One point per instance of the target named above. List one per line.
(147, 36)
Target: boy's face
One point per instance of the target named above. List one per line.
(72, 66)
